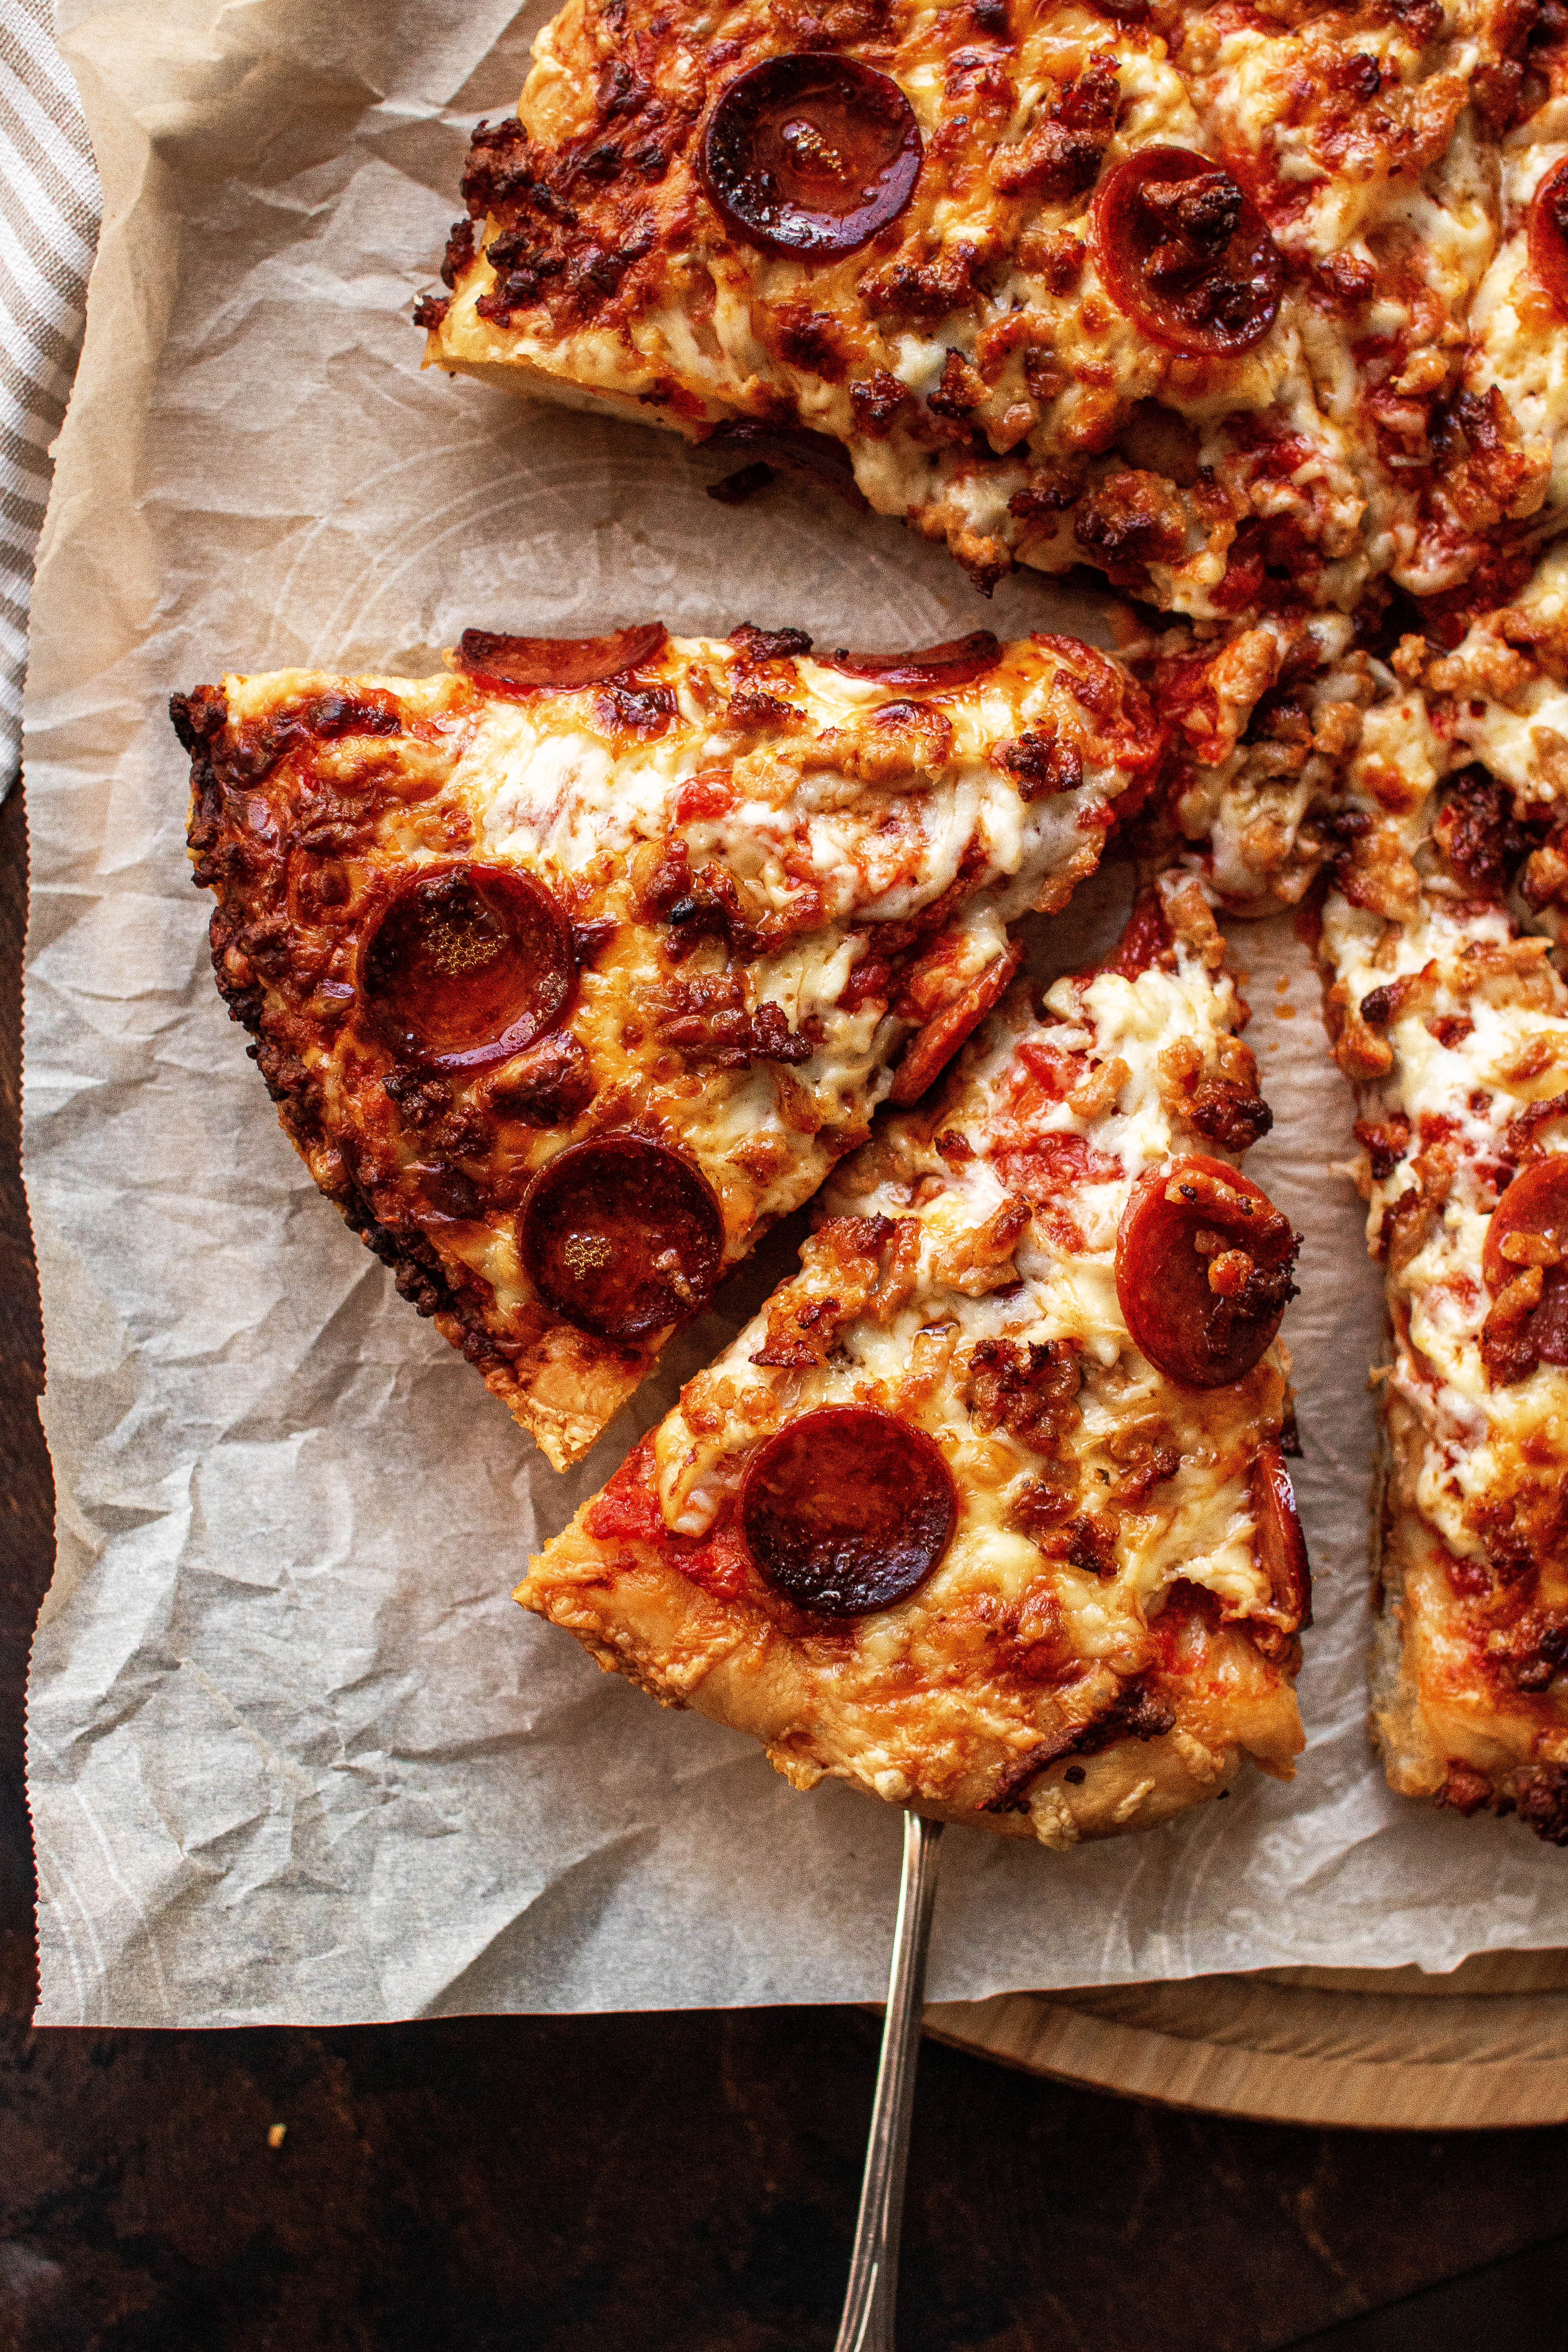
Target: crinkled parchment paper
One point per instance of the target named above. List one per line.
(295, 1754)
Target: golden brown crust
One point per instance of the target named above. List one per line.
(1448, 1713)
(949, 1750)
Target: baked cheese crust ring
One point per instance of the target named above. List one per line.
(986, 1511)
(1180, 291)
(574, 967)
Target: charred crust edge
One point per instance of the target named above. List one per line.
(199, 719)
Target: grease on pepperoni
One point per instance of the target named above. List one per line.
(957, 662)
(1524, 1267)
(1281, 1542)
(1549, 236)
(1202, 1271)
(562, 663)
(847, 1510)
(1185, 253)
(467, 966)
(810, 156)
(621, 1235)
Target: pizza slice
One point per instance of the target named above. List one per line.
(1449, 1016)
(1499, 693)
(1176, 291)
(573, 968)
(1502, 450)
(1279, 730)
(987, 1509)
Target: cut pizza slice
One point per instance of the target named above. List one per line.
(1449, 1016)
(987, 1509)
(1283, 732)
(573, 968)
(1177, 291)
(1501, 450)
(1499, 694)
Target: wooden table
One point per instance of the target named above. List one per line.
(680, 2180)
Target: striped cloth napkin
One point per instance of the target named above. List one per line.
(49, 209)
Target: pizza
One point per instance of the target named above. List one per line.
(1501, 695)
(1176, 291)
(1260, 722)
(1447, 1014)
(987, 1509)
(1509, 427)
(574, 967)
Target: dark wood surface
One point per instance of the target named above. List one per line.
(685, 2180)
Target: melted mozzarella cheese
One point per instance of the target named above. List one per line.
(714, 316)
(855, 806)
(1467, 1092)
(1200, 1523)
(1518, 347)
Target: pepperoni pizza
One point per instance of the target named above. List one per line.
(987, 1509)
(573, 968)
(1176, 291)
(1507, 461)
(1261, 721)
(1447, 1014)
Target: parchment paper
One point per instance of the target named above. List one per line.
(294, 1752)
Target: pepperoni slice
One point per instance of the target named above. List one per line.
(1530, 1227)
(1202, 1271)
(467, 966)
(809, 155)
(957, 663)
(1549, 236)
(1281, 1545)
(945, 1031)
(1147, 939)
(1185, 253)
(847, 1509)
(560, 662)
(621, 1235)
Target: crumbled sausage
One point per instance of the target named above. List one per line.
(1028, 1388)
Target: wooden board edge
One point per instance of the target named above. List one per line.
(1042, 2037)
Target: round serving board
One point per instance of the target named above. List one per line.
(1387, 2049)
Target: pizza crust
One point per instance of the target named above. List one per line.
(942, 1754)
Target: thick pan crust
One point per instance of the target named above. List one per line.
(1386, 406)
(778, 877)
(1104, 1638)
(1449, 1016)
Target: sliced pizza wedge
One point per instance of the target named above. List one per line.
(1449, 1016)
(987, 1509)
(571, 968)
(1176, 291)
(1501, 450)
